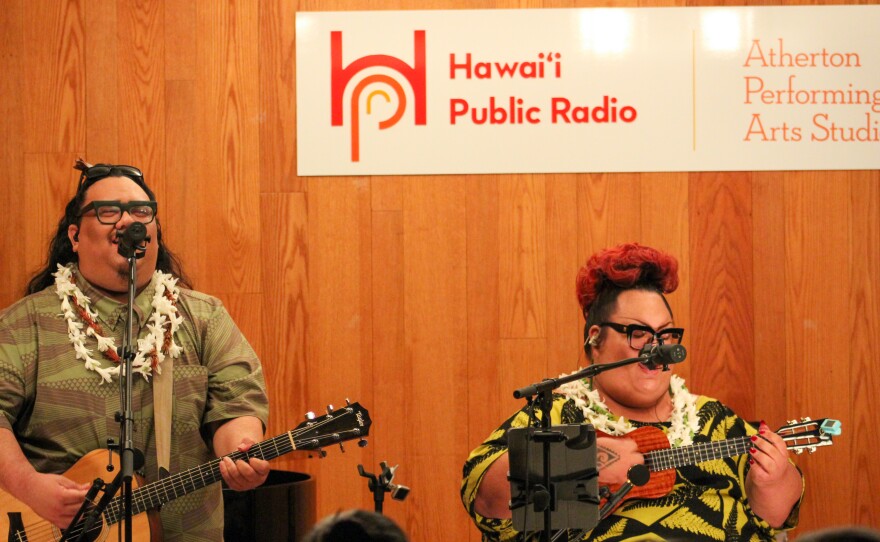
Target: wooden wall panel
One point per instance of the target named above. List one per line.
(565, 323)
(721, 289)
(340, 325)
(483, 308)
(54, 76)
(277, 73)
(180, 40)
(768, 264)
(865, 336)
(522, 256)
(609, 212)
(435, 312)
(429, 299)
(141, 86)
(228, 161)
(285, 309)
(12, 142)
(818, 338)
(102, 112)
(183, 192)
(393, 435)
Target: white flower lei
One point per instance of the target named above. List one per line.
(163, 323)
(685, 423)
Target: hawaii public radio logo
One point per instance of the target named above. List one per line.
(340, 78)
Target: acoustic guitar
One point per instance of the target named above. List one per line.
(23, 525)
(661, 460)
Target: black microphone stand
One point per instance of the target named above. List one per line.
(132, 246)
(544, 391)
(133, 252)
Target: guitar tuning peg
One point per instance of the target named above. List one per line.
(791, 422)
(807, 419)
(341, 448)
(320, 452)
(347, 401)
(362, 442)
(310, 415)
(329, 409)
(799, 451)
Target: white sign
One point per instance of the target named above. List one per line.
(588, 90)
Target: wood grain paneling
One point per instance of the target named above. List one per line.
(278, 97)
(53, 71)
(183, 193)
(429, 299)
(48, 175)
(768, 264)
(227, 162)
(563, 314)
(818, 223)
(102, 92)
(865, 336)
(12, 144)
(285, 307)
(522, 257)
(721, 289)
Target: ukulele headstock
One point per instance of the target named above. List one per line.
(809, 434)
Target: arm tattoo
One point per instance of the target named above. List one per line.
(605, 457)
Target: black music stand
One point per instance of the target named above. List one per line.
(573, 495)
(548, 495)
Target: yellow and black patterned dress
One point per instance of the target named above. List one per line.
(708, 501)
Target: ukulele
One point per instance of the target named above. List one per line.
(23, 524)
(661, 460)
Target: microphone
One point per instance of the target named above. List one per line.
(662, 354)
(134, 239)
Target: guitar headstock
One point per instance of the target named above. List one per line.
(809, 434)
(337, 426)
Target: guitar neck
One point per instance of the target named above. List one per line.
(157, 493)
(673, 458)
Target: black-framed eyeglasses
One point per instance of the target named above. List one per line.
(101, 171)
(637, 335)
(110, 212)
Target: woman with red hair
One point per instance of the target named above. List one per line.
(622, 293)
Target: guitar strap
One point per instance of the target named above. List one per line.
(162, 394)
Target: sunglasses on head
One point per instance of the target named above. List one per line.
(101, 171)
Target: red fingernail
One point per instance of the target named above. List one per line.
(762, 431)
(753, 450)
(763, 422)
(751, 461)
(754, 438)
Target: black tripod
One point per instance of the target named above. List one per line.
(380, 485)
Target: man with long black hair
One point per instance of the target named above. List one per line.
(59, 367)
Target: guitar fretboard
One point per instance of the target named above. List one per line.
(672, 458)
(157, 493)
(333, 428)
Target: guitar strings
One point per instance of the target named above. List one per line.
(156, 493)
(44, 530)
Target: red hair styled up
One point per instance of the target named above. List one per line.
(624, 267)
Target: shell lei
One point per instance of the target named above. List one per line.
(151, 350)
(684, 420)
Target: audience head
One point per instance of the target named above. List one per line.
(356, 526)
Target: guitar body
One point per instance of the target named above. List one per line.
(20, 523)
(661, 482)
(90, 466)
